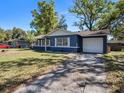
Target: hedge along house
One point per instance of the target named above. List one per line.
(66, 41)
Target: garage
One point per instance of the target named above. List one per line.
(93, 45)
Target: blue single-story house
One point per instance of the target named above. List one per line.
(66, 41)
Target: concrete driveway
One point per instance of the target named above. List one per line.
(84, 74)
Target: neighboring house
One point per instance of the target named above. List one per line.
(66, 41)
(16, 43)
(116, 45)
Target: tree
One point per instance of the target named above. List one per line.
(45, 17)
(2, 35)
(18, 33)
(30, 37)
(8, 34)
(15, 33)
(62, 23)
(88, 12)
(114, 20)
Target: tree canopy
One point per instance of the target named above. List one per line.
(18, 33)
(62, 23)
(92, 15)
(45, 17)
(100, 14)
(30, 37)
(88, 12)
(2, 35)
(15, 33)
(114, 20)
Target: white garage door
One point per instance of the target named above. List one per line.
(93, 45)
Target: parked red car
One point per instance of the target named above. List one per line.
(4, 46)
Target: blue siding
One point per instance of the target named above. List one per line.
(38, 48)
(105, 44)
(62, 49)
(56, 49)
(73, 41)
(52, 41)
(79, 42)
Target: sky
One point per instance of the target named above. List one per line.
(17, 13)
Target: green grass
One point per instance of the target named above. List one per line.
(115, 71)
(18, 65)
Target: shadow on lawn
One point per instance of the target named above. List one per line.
(116, 70)
(23, 49)
(9, 65)
(55, 52)
(89, 65)
(27, 62)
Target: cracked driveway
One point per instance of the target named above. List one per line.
(84, 74)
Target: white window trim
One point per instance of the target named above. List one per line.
(66, 47)
(42, 44)
(55, 42)
(69, 41)
(62, 46)
(38, 43)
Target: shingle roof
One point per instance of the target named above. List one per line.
(40, 36)
(81, 33)
(93, 33)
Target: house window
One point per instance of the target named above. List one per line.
(48, 42)
(38, 43)
(59, 42)
(43, 42)
(62, 41)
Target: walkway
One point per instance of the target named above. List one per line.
(85, 74)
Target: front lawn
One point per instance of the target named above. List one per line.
(19, 65)
(115, 71)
